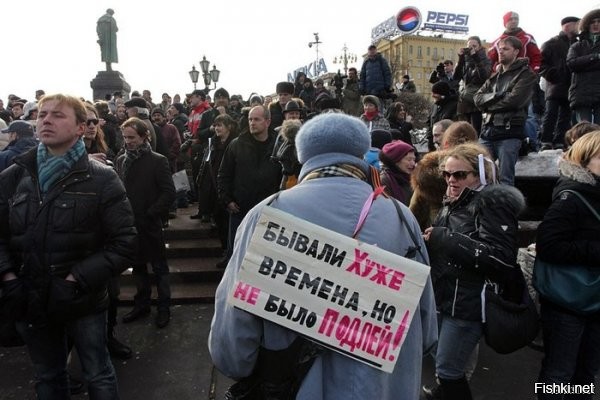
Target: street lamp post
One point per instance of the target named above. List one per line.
(194, 74)
(316, 43)
(345, 58)
(208, 76)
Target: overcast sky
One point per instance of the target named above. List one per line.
(51, 45)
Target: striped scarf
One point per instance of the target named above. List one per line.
(346, 170)
(130, 157)
(51, 168)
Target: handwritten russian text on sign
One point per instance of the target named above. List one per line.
(350, 296)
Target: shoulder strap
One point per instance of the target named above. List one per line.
(416, 248)
(583, 199)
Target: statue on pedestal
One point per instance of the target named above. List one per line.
(107, 38)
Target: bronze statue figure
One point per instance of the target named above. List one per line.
(107, 38)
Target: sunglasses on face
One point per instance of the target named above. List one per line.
(92, 121)
(458, 175)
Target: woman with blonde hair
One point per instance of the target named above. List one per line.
(472, 241)
(570, 234)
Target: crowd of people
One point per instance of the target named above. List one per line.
(87, 189)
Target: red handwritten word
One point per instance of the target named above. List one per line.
(378, 273)
(246, 292)
(363, 335)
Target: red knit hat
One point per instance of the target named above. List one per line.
(396, 150)
(509, 15)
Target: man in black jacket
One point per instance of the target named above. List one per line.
(557, 115)
(504, 99)
(247, 174)
(67, 229)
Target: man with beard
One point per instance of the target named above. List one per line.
(504, 99)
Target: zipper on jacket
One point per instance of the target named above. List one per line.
(455, 294)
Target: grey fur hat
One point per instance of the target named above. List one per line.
(332, 133)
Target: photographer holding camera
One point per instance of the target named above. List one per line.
(444, 72)
(473, 68)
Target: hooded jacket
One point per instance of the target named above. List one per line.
(583, 59)
(474, 240)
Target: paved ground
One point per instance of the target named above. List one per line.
(174, 363)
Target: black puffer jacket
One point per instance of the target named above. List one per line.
(84, 226)
(554, 66)
(474, 240)
(583, 59)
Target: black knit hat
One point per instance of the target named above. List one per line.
(442, 88)
(285, 87)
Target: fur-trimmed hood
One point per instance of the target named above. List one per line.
(494, 195)
(576, 172)
(290, 129)
(426, 178)
(586, 21)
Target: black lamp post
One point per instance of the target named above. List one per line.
(209, 76)
(194, 75)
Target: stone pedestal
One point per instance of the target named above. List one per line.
(108, 82)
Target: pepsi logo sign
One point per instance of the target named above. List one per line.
(408, 19)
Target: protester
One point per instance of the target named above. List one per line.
(570, 234)
(20, 139)
(147, 179)
(330, 147)
(71, 229)
(372, 115)
(582, 60)
(398, 161)
(472, 241)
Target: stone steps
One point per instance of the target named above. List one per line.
(192, 253)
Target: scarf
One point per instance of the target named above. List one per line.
(370, 115)
(344, 170)
(131, 156)
(51, 168)
(396, 178)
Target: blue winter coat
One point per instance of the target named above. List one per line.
(236, 335)
(375, 76)
(13, 149)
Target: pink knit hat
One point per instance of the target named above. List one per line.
(396, 150)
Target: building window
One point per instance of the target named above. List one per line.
(419, 52)
(428, 51)
(410, 49)
(443, 53)
(419, 75)
(435, 53)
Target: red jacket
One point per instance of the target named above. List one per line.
(196, 117)
(530, 49)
